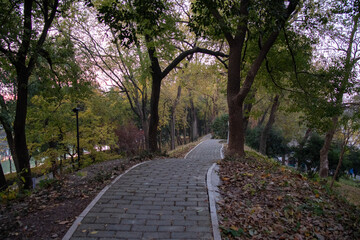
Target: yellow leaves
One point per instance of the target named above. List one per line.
(248, 174)
(94, 232)
(279, 198)
(317, 195)
(225, 178)
(234, 228)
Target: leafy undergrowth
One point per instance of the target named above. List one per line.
(263, 200)
(49, 211)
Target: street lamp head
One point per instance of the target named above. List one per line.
(76, 110)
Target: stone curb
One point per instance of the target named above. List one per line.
(212, 198)
(78, 220)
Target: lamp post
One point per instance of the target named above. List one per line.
(76, 111)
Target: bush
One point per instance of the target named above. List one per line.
(129, 139)
(220, 126)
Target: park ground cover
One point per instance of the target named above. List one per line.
(262, 199)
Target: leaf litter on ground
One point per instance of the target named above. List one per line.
(261, 199)
(48, 212)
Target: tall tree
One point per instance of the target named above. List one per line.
(237, 21)
(24, 28)
(153, 25)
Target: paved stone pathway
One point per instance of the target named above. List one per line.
(160, 199)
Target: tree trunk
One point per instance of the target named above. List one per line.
(10, 140)
(145, 126)
(3, 183)
(300, 159)
(178, 137)
(265, 132)
(343, 147)
(235, 94)
(21, 149)
(262, 119)
(155, 95)
(184, 133)
(173, 118)
(236, 120)
(194, 133)
(247, 108)
(324, 162)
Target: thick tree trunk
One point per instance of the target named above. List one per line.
(236, 124)
(173, 118)
(324, 162)
(156, 76)
(237, 95)
(265, 132)
(21, 149)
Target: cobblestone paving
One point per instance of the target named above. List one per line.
(160, 199)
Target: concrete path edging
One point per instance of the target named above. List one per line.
(212, 188)
(212, 203)
(78, 220)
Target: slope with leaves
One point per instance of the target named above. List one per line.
(263, 200)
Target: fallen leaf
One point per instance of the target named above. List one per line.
(63, 222)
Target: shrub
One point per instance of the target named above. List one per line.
(129, 139)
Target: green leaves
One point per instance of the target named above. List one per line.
(133, 19)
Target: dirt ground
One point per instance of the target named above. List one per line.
(50, 211)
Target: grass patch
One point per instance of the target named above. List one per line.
(181, 151)
(350, 192)
(350, 182)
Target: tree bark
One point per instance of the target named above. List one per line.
(265, 132)
(247, 108)
(3, 183)
(324, 162)
(194, 133)
(19, 127)
(262, 119)
(173, 118)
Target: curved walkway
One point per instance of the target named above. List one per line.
(159, 199)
